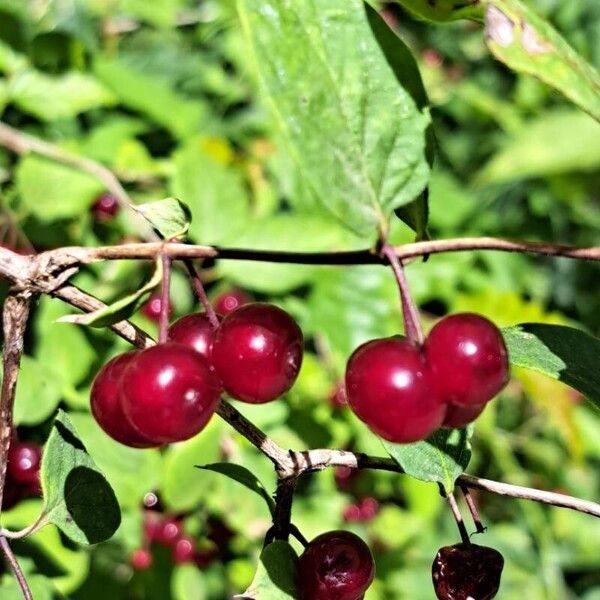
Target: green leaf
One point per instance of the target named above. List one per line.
(188, 582)
(212, 189)
(532, 151)
(39, 391)
(152, 96)
(41, 588)
(276, 576)
(525, 42)
(53, 191)
(441, 458)
(57, 97)
(443, 11)
(356, 135)
(119, 310)
(563, 353)
(130, 472)
(77, 497)
(243, 476)
(170, 218)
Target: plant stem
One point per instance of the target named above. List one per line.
(282, 517)
(458, 518)
(201, 293)
(16, 569)
(165, 300)
(15, 314)
(412, 323)
(479, 526)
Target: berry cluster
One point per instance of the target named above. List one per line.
(22, 473)
(167, 393)
(404, 392)
(336, 565)
(168, 531)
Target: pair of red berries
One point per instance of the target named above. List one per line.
(336, 565)
(167, 393)
(404, 392)
(22, 472)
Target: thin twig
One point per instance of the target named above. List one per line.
(14, 316)
(479, 526)
(16, 569)
(282, 517)
(412, 322)
(460, 523)
(165, 300)
(196, 282)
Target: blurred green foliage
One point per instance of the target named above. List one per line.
(164, 94)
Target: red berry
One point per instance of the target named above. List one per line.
(369, 507)
(467, 571)
(337, 398)
(169, 392)
(345, 477)
(169, 531)
(461, 416)
(141, 559)
(351, 513)
(107, 407)
(228, 301)
(257, 353)
(105, 207)
(24, 463)
(336, 565)
(388, 387)
(195, 331)
(153, 526)
(467, 358)
(151, 310)
(184, 550)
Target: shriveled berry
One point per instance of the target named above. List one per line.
(467, 572)
(336, 565)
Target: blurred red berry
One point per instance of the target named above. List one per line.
(228, 301)
(141, 559)
(169, 532)
(369, 507)
(351, 513)
(337, 398)
(105, 207)
(24, 462)
(184, 550)
(151, 310)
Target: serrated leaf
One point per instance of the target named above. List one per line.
(527, 43)
(443, 11)
(441, 458)
(276, 575)
(560, 352)
(170, 218)
(243, 476)
(77, 497)
(356, 134)
(119, 310)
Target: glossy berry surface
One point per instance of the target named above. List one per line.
(467, 572)
(195, 331)
(229, 301)
(106, 404)
(141, 559)
(467, 358)
(184, 550)
(389, 389)
(105, 207)
(169, 392)
(336, 565)
(461, 416)
(24, 461)
(168, 531)
(257, 352)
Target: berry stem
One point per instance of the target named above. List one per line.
(201, 293)
(412, 324)
(458, 518)
(165, 300)
(479, 526)
(16, 568)
(282, 516)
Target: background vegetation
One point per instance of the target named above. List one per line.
(160, 91)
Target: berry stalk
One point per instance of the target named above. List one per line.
(458, 518)
(201, 293)
(165, 302)
(412, 324)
